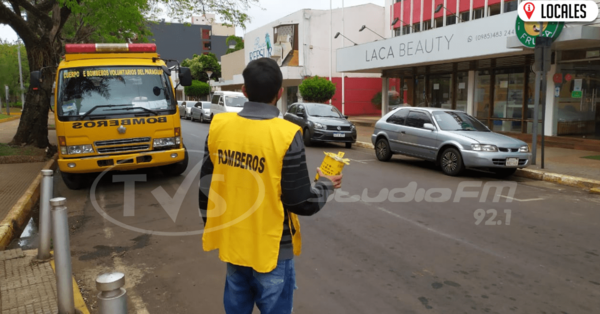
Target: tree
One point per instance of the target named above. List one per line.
(197, 90)
(9, 67)
(317, 89)
(239, 43)
(199, 64)
(45, 26)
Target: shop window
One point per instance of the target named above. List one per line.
(421, 92)
(510, 5)
(462, 88)
(482, 94)
(439, 22)
(405, 29)
(416, 27)
(508, 100)
(494, 9)
(579, 104)
(426, 25)
(440, 91)
(397, 32)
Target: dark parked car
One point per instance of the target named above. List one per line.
(321, 123)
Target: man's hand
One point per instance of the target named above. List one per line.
(336, 180)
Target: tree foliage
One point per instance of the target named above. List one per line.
(317, 89)
(239, 43)
(197, 90)
(46, 25)
(9, 67)
(199, 64)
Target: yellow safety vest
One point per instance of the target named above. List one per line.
(245, 215)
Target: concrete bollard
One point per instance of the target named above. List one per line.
(45, 219)
(62, 256)
(112, 298)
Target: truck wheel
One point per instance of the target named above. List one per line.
(176, 168)
(74, 181)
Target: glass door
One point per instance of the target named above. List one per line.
(462, 84)
(508, 100)
(578, 104)
(440, 91)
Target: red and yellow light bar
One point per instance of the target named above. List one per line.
(107, 48)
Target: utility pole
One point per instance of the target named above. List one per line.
(7, 105)
(541, 66)
(330, 40)
(343, 76)
(21, 75)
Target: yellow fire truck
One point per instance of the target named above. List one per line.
(115, 108)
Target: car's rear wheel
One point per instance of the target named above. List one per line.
(348, 145)
(382, 150)
(504, 172)
(306, 136)
(451, 162)
(74, 181)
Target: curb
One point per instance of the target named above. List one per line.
(80, 306)
(10, 119)
(364, 145)
(19, 214)
(586, 184)
(593, 186)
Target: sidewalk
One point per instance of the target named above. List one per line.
(16, 178)
(557, 160)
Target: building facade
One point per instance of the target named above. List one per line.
(303, 44)
(465, 55)
(181, 41)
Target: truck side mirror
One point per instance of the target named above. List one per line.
(35, 79)
(185, 76)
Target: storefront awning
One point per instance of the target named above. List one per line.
(482, 38)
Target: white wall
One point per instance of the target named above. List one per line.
(314, 36)
(371, 15)
(255, 42)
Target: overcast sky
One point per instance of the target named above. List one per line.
(271, 10)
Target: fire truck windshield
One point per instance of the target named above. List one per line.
(92, 92)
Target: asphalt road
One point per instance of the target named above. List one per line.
(420, 252)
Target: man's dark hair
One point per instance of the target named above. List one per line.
(263, 80)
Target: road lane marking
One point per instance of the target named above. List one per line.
(440, 233)
(194, 135)
(525, 200)
(363, 161)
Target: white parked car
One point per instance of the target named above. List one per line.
(227, 102)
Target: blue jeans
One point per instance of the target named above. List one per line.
(272, 292)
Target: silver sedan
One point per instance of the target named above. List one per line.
(452, 139)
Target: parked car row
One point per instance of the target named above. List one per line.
(195, 110)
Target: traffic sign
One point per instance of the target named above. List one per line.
(558, 78)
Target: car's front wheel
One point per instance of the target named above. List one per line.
(307, 140)
(348, 145)
(451, 162)
(382, 150)
(504, 172)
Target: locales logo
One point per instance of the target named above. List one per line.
(558, 11)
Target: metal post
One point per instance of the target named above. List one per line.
(112, 298)
(21, 75)
(45, 220)
(544, 84)
(536, 103)
(62, 256)
(7, 105)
